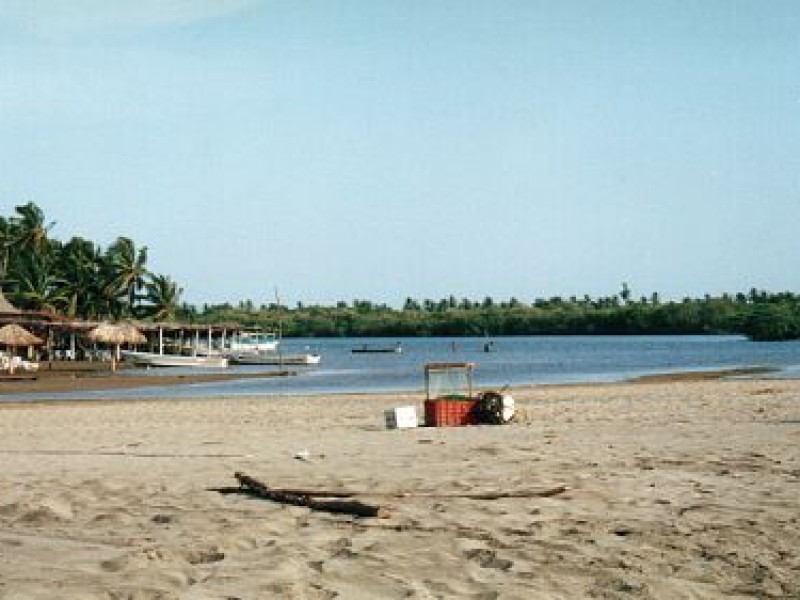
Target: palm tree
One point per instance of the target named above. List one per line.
(25, 253)
(79, 263)
(7, 239)
(163, 298)
(30, 228)
(37, 285)
(127, 273)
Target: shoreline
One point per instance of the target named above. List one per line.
(89, 377)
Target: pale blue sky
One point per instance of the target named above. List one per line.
(378, 150)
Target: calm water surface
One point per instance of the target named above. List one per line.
(513, 360)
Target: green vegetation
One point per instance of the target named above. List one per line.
(759, 315)
(80, 279)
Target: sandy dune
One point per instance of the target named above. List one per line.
(676, 490)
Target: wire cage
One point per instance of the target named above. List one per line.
(451, 381)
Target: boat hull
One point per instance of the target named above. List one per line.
(367, 349)
(274, 359)
(151, 359)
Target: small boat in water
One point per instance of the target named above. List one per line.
(154, 359)
(367, 348)
(273, 358)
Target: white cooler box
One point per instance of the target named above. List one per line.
(402, 417)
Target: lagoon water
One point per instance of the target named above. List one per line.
(513, 361)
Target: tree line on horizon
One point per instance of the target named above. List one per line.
(757, 314)
(81, 279)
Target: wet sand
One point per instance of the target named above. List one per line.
(92, 376)
(676, 489)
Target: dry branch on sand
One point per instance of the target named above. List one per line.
(349, 507)
(310, 498)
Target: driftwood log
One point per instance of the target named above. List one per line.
(347, 507)
(498, 495)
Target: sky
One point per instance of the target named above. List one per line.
(378, 150)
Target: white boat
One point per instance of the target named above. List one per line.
(153, 359)
(251, 342)
(257, 347)
(273, 358)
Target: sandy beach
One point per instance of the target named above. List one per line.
(675, 489)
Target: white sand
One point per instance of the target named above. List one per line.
(677, 490)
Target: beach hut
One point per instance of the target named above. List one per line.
(13, 336)
(116, 334)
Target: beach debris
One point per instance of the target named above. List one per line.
(348, 507)
(303, 454)
(546, 493)
(489, 495)
(401, 417)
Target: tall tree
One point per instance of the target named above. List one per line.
(31, 228)
(162, 298)
(80, 263)
(7, 240)
(625, 293)
(127, 274)
(37, 285)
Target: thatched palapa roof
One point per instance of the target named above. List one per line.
(14, 335)
(122, 333)
(6, 306)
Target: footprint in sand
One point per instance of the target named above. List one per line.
(341, 548)
(46, 512)
(204, 557)
(488, 559)
(162, 519)
(164, 557)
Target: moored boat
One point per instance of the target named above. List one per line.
(273, 358)
(251, 342)
(154, 359)
(367, 348)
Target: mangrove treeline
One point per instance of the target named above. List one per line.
(757, 314)
(79, 278)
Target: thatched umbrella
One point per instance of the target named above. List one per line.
(12, 335)
(6, 307)
(116, 334)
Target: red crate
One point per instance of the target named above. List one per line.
(445, 413)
